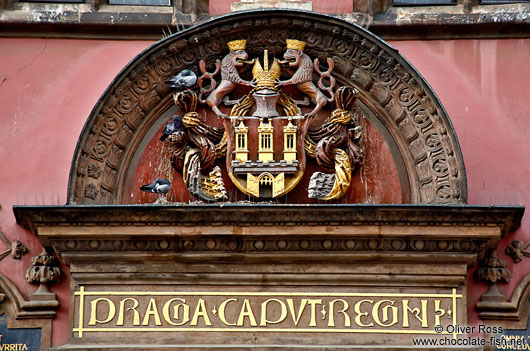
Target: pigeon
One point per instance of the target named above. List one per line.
(175, 125)
(159, 186)
(185, 79)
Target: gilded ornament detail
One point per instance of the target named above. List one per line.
(256, 162)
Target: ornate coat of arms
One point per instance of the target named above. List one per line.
(266, 137)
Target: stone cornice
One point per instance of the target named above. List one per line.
(506, 218)
(396, 23)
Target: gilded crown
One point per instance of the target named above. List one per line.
(266, 77)
(237, 44)
(295, 44)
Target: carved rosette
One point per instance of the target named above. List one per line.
(517, 250)
(18, 249)
(387, 84)
(14, 248)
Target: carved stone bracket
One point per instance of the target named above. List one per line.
(44, 269)
(388, 85)
(492, 270)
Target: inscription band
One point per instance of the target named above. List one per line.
(380, 311)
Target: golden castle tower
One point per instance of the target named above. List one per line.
(266, 142)
(289, 142)
(241, 138)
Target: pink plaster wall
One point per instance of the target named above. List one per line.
(48, 87)
(483, 85)
(221, 7)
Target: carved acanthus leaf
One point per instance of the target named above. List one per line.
(492, 270)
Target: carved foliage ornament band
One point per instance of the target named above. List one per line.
(257, 245)
(386, 82)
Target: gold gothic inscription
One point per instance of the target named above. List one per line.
(277, 312)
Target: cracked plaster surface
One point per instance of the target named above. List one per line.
(5, 78)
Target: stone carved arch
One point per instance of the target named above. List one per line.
(401, 100)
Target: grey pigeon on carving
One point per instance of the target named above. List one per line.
(159, 186)
(185, 79)
(175, 125)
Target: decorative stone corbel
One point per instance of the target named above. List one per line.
(44, 269)
(492, 270)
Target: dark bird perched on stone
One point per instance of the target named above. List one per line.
(175, 125)
(159, 186)
(185, 79)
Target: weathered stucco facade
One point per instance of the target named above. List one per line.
(472, 56)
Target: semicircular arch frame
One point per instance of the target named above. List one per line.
(389, 86)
